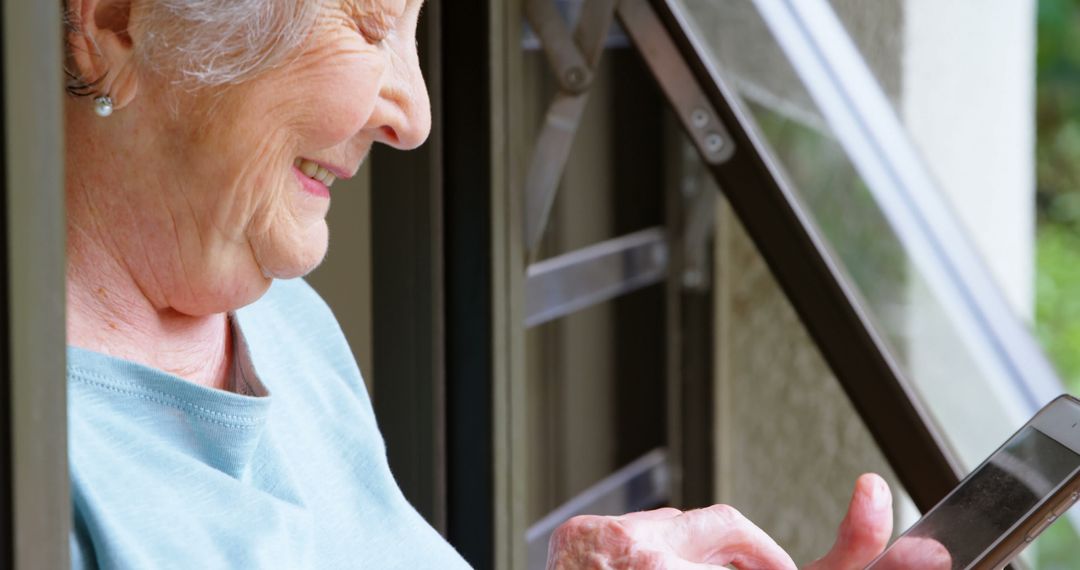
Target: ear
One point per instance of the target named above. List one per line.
(102, 51)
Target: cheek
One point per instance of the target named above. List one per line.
(338, 95)
(246, 147)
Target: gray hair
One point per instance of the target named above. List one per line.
(214, 42)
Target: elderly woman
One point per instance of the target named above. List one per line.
(217, 418)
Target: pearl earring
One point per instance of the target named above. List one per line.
(103, 106)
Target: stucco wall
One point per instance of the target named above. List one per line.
(790, 444)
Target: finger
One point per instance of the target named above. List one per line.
(866, 529)
(715, 535)
(916, 552)
(655, 514)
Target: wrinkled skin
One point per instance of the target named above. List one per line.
(184, 204)
(715, 537)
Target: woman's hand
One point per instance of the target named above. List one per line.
(865, 530)
(714, 537)
(916, 552)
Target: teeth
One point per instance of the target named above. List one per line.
(314, 171)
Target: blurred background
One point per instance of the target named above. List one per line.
(1057, 160)
(1057, 243)
(702, 384)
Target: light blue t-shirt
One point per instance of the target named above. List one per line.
(169, 474)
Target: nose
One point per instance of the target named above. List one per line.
(402, 114)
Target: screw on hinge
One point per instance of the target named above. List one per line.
(699, 118)
(713, 143)
(576, 77)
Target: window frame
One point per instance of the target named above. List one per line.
(36, 491)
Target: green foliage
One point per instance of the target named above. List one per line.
(1057, 165)
(1058, 184)
(1057, 306)
(1057, 547)
(1058, 112)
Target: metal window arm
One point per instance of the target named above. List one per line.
(795, 252)
(573, 59)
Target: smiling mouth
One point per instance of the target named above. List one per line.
(314, 171)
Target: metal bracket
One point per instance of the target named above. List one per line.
(572, 57)
(563, 53)
(677, 81)
(699, 204)
(568, 283)
(573, 60)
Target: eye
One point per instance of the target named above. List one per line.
(373, 37)
(376, 27)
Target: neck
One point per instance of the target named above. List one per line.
(135, 289)
(108, 312)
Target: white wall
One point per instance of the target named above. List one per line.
(968, 99)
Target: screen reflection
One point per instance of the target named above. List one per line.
(989, 503)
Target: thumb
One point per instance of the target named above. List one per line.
(866, 529)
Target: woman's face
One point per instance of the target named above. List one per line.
(245, 173)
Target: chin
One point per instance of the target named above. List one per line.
(231, 291)
(295, 257)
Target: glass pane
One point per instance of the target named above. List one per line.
(915, 318)
(835, 137)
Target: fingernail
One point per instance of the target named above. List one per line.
(881, 499)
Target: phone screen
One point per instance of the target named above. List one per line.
(991, 501)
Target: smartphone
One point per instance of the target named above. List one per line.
(997, 510)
